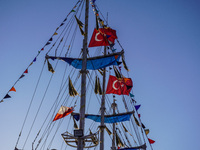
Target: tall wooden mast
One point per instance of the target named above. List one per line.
(102, 126)
(83, 79)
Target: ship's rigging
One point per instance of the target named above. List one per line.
(127, 135)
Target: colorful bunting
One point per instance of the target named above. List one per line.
(47, 43)
(26, 71)
(72, 90)
(137, 107)
(50, 68)
(13, 89)
(34, 60)
(55, 33)
(131, 95)
(146, 131)
(22, 76)
(80, 24)
(143, 126)
(61, 24)
(51, 39)
(151, 141)
(7, 96)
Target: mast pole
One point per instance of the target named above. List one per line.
(114, 131)
(83, 79)
(102, 126)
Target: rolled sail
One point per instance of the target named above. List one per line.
(108, 118)
(93, 63)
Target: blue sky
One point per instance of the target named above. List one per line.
(161, 41)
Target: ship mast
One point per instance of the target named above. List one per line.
(83, 79)
(102, 126)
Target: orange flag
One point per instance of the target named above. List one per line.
(13, 89)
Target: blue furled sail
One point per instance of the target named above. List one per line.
(93, 63)
(135, 148)
(108, 118)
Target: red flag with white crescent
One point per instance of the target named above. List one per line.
(103, 37)
(63, 111)
(119, 86)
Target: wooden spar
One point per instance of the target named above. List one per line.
(83, 79)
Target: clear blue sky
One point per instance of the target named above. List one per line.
(162, 44)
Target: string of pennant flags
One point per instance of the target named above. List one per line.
(13, 89)
(137, 122)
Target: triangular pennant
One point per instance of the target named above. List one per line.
(55, 33)
(22, 76)
(139, 115)
(1, 101)
(7, 96)
(48, 43)
(26, 71)
(13, 89)
(146, 131)
(61, 24)
(143, 126)
(51, 39)
(131, 95)
(99, 87)
(50, 68)
(34, 60)
(73, 10)
(124, 63)
(151, 141)
(137, 107)
(42, 49)
(80, 24)
(72, 90)
(96, 87)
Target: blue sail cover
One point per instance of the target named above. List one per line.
(108, 118)
(92, 63)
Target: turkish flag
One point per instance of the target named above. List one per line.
(103, 37)
(118, 86)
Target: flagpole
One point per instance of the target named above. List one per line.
(83, 79)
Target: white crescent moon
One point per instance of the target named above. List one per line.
(96, 39)
(114, 85)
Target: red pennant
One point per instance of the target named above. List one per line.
(42, 49)
(151, 141)
(13, 89)
(26, 71)
(118, 86)
(139, 115)
(103, 37)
